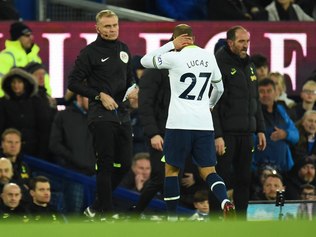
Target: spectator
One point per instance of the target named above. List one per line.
(258, 180)
(302, 173)
(22, 109)
(237, 117)
(307, 131)
(307, 210)
(11, 207)
(11, 143)
(286, 10)
(71, 146)
(19, 51)
(271, 185)
(139, 174)
(308, 96)
(50, 104)
(40, 208)
(261, 64)
(201, 204)
(108, 115)
(71, 141)
(38, 70)
(280, 131)
(280, 85)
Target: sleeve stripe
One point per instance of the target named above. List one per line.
(217, 81)
(154, 62)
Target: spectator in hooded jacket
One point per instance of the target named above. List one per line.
(22, 109)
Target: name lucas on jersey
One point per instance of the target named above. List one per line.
(197, 62)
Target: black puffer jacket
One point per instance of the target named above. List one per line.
(24, 112)
(239, 110)
(154, 98)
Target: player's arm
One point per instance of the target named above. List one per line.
(153, 59)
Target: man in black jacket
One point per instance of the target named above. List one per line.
(103, 73)
(237, 116)
(154, 97)
(11, 144)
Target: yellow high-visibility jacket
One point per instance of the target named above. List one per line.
(15, 56)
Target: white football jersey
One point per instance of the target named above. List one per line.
(191, 72)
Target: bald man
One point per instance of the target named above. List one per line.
(11, 206)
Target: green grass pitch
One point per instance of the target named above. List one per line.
(163, 229)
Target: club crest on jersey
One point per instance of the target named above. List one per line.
(233, 71)
(124, 56)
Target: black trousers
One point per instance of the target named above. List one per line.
(156, 181)
(113, 148)
(235, 169)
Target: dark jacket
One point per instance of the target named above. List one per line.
(24, 112)
(21, 171)
(154, 98)
(18, 214)
(103, 66)
(303, 148)
(71, 141)
(277, 153)
(238, 111)
(293, 181)
(45, 214)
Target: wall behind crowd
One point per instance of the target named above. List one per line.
(289, 47)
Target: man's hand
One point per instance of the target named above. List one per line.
(278, 134)
(187, 180)
(133, 98)
(262, 141)
(182, 41)
(108, 102)
(139, 182)
(157, 142)
(220, 146)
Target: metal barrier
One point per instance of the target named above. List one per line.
(59, 175)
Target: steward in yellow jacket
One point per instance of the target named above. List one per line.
(19, 51)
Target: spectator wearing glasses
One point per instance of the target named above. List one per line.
(307, 210)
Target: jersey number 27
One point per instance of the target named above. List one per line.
(185, 93)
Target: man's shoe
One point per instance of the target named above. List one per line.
(229, 211)
(89, 212)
